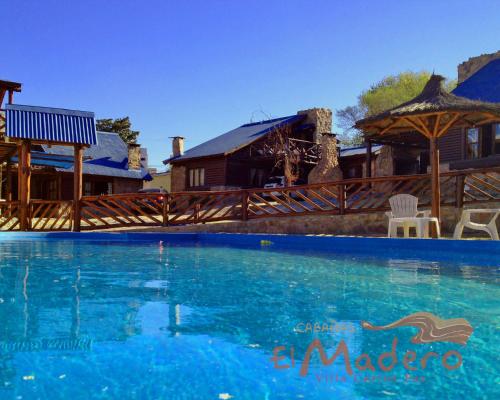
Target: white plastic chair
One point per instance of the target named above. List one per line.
(465, 221)
(404, 212)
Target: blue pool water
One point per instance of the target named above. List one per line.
(195, 319)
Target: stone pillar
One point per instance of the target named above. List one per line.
(474, 64)
(134, 156)
(328, 168)
(322, 120)
(178, 178)
(384, 164)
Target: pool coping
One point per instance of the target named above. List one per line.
(344, 243)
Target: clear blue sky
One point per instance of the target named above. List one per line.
(200, 68)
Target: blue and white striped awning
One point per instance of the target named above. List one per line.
(50, 124)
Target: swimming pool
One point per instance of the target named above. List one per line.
(138, 316)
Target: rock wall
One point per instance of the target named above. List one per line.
(328, 168)
(384, 164)
(372, 224)
(473, 64)
(178, 178)
(322, 120)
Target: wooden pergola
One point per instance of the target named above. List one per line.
(432, 113)
(24, 126)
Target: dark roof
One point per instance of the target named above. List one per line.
(108, 158)
(234, 140)
(483, 85)
(359, 150)
(48, 160)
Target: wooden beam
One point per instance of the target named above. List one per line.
(368, 159)
(24, 178)
(388, 127)
(8, 182)
(448, 125)
(435, 185)
(77, 186)
(435, 130)
(416, 127)
(425, 125)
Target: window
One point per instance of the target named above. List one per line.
(196, 177)
(87, 188)
(496, 139)
(472, 143)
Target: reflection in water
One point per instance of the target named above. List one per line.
(153, 321)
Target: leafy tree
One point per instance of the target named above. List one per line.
(119, 125)
(388, 93)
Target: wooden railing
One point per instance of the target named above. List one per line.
(9, 215)
(110, 211)
(2, 123)
(194, 207)
(458, 188)
(51, 215)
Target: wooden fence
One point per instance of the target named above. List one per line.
(458, 188)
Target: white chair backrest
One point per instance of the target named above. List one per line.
(403, 205)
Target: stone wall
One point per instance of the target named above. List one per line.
(384, 164)
(178, 178)
(474, 64)
(321, 118)
(370, 224)
(328, 168)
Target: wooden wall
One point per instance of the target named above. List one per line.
(215, 172)
(451, 146)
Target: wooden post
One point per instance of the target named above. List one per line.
(341, 199)
(435, 185)
(8, 182)
(368, 159)
(24, 177)
(166, 208)
(244, 205)
(59, 186)
(459, 202)
(77, 186)
(11, 96)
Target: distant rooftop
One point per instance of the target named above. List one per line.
(235, 139)
(483, 85)
(358, 150)
(108, 158)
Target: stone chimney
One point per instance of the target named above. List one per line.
(328, 168)
(134, 156)
(474, 64)
(322, 120)
(177, 146)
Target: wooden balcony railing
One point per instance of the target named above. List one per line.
(458, 188)
(51, 215)
(9, 216)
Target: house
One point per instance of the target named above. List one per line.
(460, 148)
(244, 157)
(478, 79)
(353, 160)
(109, 167)
(160, 180)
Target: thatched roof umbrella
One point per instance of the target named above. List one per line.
(432, 113)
